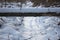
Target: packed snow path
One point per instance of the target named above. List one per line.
(30, 28)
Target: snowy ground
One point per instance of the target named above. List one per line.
(15, 7)
(30, 28)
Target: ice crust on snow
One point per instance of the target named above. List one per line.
(30, 28)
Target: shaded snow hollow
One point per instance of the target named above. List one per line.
(30, 28)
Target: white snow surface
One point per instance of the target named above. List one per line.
(30, 28)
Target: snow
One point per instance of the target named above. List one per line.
(44, 31)
(15, 7)
(31, 10)
(30, 28)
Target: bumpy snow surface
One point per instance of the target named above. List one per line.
(30, 28)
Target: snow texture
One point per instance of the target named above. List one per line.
(30, 28)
